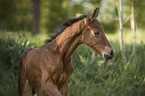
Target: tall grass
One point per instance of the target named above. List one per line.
(96, 77)
(92, 75)
(11, 47)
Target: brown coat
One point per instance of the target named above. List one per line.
(47, 69)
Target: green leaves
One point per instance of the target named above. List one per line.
(11, 47)
(92, 75)
(95, 77)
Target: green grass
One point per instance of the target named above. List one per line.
(95, 77)
(92, 75)
(11, 47)
(128, 36)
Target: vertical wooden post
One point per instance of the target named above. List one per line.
(120, 14)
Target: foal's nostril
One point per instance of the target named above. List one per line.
(111, 53)
(106, 56)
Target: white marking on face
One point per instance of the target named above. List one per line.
(92, 32)
(106, 51)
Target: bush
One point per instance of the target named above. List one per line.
(92, 75)
(11, 47)
(96, 77)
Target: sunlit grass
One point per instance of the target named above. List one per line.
(38, 40)
(128, 36)
(92, 75)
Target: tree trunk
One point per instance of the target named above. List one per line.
(120, 14)
(133, 27)
(35, 14)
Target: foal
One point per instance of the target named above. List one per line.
(47, 69)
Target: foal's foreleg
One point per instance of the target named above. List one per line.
(25, 88)
(64, 89)
(49, 88)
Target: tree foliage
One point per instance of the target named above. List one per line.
(92, 75)
(15, 14)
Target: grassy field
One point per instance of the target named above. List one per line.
(128, 36)
(92, 75)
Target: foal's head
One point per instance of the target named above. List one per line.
(93, 36)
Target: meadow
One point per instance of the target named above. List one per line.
(92, 75)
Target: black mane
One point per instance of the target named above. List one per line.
(68, 22)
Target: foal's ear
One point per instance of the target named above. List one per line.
(94, 14)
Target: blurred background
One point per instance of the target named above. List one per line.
(28, 23)
(44, 15)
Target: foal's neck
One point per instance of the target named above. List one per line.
(69, 40)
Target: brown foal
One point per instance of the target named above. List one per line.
(47, 69)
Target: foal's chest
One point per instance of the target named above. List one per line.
(61, 78)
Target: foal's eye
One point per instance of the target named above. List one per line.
(96, 33)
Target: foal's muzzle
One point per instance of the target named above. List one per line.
(109, 56)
